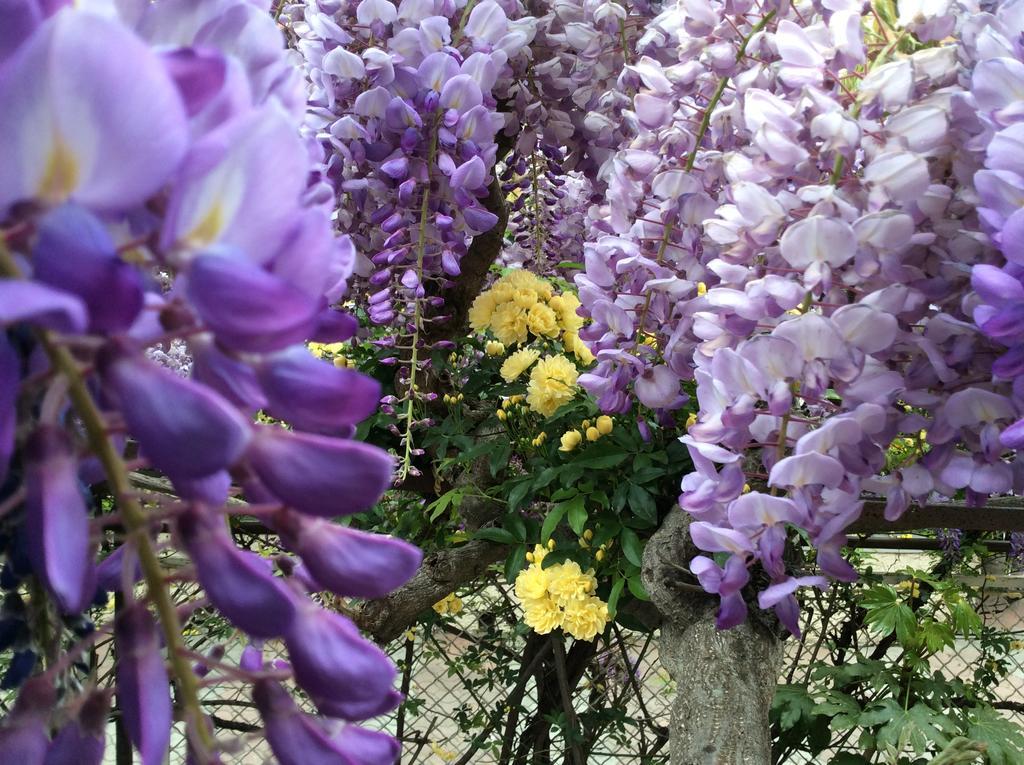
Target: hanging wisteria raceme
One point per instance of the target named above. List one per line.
(405, 101)
(547, 212)
(793, 227)
(155, 204)
(993, 58)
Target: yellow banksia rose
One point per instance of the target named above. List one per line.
(568, 582)
(577, 347)
(543, 616)
(570, 320)
(518, 363)
(482, 310)
(502, 415)
(593, 434)
(508, 322)
(552, 384)
(604, 424)
(522, 279)
(532, 582)
(542, 321)
(585, 619)
(525, 298)
(451, 604)
(570, 440)
(494, 348)
(447, 755)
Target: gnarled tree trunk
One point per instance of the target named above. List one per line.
(725, 680)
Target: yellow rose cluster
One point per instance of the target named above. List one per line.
(602, 426)
(520, 304)
(330, 350)
(560, 596)
(452, 604)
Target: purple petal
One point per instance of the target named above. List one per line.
(319, 475)
(239, 187)
(199, 74)
(81, 741)
(233, 379)
(74, 253)
(184, 429)
(240, 584)
(470, 175)
(731, 612)
(367, 747)
(110, 573)
(57, 521)
(10, 381)
(806, 469)
(294, 737)
(478, 219)
(346, 561)
(248, 308)
(345, 674)
(1013, 436)
(312, 394)
(143, 689)
(95, 113)
(334, 326)
(754, 510)
(42, 305)
(713, 538)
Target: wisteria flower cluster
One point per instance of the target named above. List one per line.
(405, 101)
(993, 55)
(793, 226)
(155, 194)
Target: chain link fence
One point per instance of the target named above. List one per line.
(476, 691)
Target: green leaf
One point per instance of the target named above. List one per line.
(791, 704)
(518, 493)
(551, 521)
(547, 475)
(887, 613)
(501, 536)
(515, 563)
(937, 635)
(577, 511)
(920, 727)
(452, 497)
(499, 458)
(605, 461)
(642, 503)
(637, 588)
(615, 594)
(632, 548)
(517, 526)
(1004, 739)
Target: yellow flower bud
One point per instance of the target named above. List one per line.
(588, 534)
(605, 424)
(529, 557)
(584, 425)
(494, 348)
(501, 415)
(341, 362)
(583, 543)
(599, 555)
(593, 434)
(551, 544)
(746, 488)
(570, 440)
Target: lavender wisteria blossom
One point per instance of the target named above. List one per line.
(792, 226)
(155, 202)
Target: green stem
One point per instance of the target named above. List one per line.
(132, 514)
(417, 312)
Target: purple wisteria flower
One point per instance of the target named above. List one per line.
(156, 198)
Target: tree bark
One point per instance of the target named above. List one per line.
(725, 680)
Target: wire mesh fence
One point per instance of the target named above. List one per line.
(480, 688)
